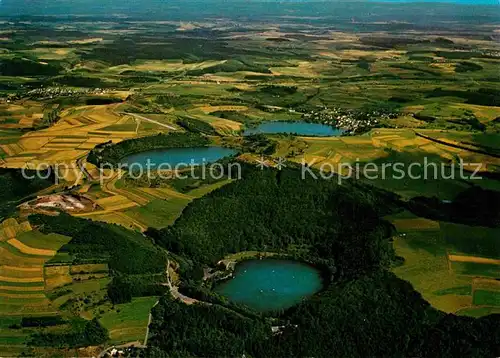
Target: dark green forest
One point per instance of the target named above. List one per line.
(363, 311)
(279, 211)
(125, 251)
(81, 334)
(18, 187)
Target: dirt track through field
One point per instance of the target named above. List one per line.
(474, 259)
(30, 250)
(152, 121)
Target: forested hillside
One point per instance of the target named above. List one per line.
(337, 227)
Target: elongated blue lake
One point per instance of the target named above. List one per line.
(299, 128)
(270, 285)
(177, 156)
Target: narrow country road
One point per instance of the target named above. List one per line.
(151, 120)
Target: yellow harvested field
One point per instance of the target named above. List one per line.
(112, 218)
(474, 259)
(97, 140)
(156, 193)
(22, 269)
(113, 201)
(350, 54)
(303, 69)
(11, 259)
(17, 163)
(22, 272)
(72, 137)
(22, 288)
(9, 222)
(33, 143)
(120, 206)
(356, 140)
(60, 156)
(165, 66)
(210, 109)
(86, 41)
(385, 136)
(22, 295)
(61, 145)
(313, 159)
(68, 140)
(416, 224)
(12, 149)
(410, 142)
(448, 68)
(432, 148)
(26, 122)
(73, 121)
(89, 268)
(487, 113)
(57, 276)
(30, 250)
(486, 284)
(10, 228)
(85, 188)
(25, 226)
(21, 279)
(226, 124)
(87, 146)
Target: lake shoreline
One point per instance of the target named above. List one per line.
(271, 284)
(298, 128)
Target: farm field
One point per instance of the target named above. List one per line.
(382, 146)
(23, 280)
(453, 266)
(37, 281)
(128, 322)
(92, 256)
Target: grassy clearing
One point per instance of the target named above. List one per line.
(57, 276)
(448, 281)
(426, 268)
(20, 271)
(83, 287)
(159, 213)
(118, 218)
(486, 298)
(478, 311)
(472, 269)
(89, 268)
(472, 241)
(30, 250)
(117, 202)
(37, 240)
(415, 224)
(205, 189)
(128, 322)
(13, 257)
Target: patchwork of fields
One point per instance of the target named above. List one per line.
(428, 95)
(453, 266)
(36, 281)
(390, 146)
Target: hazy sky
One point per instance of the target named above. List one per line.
(49, 7)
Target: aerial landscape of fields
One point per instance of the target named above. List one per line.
(249, 178)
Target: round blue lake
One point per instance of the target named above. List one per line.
(299, 128)
(178, 156)
(270, 285)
